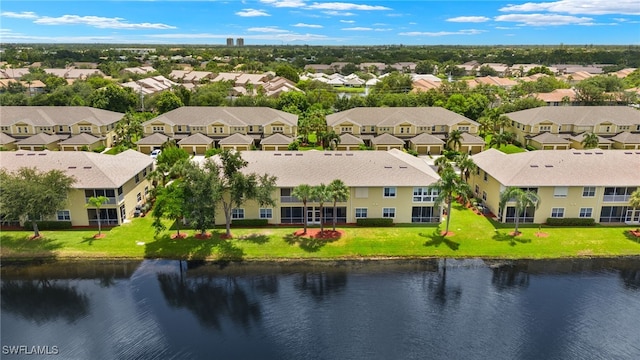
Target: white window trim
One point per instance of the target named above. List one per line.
(389, 217)
(395, 192)
(557, 208)
(361, 217)
(589, 196)
(234, 214)
(560, 191)
(58, 216)
(585, 217)
(270, 213)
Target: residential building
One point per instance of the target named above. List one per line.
(558, 97)
(150, 85)
(570, 183)
(218, 123)
(404, 123)
(382, 184)
(564, 121)
(62, 122)
(121, 178)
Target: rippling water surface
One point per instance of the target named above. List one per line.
(440, 309)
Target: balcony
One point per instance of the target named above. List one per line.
(289, 199)
(110, 200)
(616, 198)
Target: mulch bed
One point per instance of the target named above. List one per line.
(541, 234)
(445, 234)
(635, 233)
(513, 233)
(204, 236)
(181, 236)
(101, 236)
(316, 234)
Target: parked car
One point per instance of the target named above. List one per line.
(155, 153)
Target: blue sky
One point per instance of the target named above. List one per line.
(297, 22)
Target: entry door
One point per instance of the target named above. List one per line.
(313, 215)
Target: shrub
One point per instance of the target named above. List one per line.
(48, 225)
(250, 222)
(571, 222)
(411, 152)
(375, 222)
(211, 152)
(293, 146)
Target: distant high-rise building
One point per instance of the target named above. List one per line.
(239, 42)
(229, 41)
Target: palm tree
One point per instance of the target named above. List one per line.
(466, 165)
(442, 163)
(97, 203)
(339, 193)
(634, 202)
(522, 198)
(320, 194)
(590, 141)
(448, 185)
(303, 192)
(454, 140)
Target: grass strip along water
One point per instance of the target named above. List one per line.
(472, 236)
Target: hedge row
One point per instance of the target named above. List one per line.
(250, 222)
(375, 222)
(48, 225)
(570, 221)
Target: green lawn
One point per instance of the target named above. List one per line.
(474, 236)
(507, 149)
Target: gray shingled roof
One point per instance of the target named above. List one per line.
(386, 139)
(57, 115)
(276, 139)
(236, 139)
(469, 139)
(580, 138)
(426, 139)
(548, 138)
(627, 138)
(80, 139)
(6, 139)
(153, 139)
(578, 115)
(41, 139)
(232, 116)
(350, 139)
(354, 168)
(562, 167)
(89, 169)
(196, 139)
(391, 116)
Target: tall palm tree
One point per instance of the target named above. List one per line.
(590, 141)
(339, 193)
(634, 202)
(320, 194)
(303, 192)
(442, 163)
(97, 202)
(466, 165)
(454, 140)
(449, 185)
(522, 198)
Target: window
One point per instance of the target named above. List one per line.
(361, 213)
(237, 213)
(137, 178)
(139, 197)
(266, 213)
(146, 190)
(560, 191)
(388, 212)
(557, 212)
(389, 192)
(484, 195)
(463, 128)
(586, 212)
(362, 193)
(545, 128)
(157, 128)
(424, 194)
(485, 178)
(589, 191)
(277, 129)
(477, 189)
(64, 215)
(424, 214)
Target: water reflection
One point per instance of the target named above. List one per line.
(321, 285)
(631, 279)
(507, 277)
(437, 285)
(44, 300)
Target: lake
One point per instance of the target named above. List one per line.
(413, 309)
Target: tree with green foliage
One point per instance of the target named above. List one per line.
(288, 72)
(204, 192)
(522, 198)
(167, 101)
(540, 70)
(634, 202)
(97, 202)
(320, 194)
(171, 202)
(33, 194)
(304, 193)
(128, 130)
(115, 98)
(171, 155)
(449, 185)
(590, 141)
(238, 187)
(338, 192)
(454, 140)
(394, 83)
(466, 165)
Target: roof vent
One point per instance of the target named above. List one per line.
(327, 154)
(626, 152)
(71, 167)
(42, 154)
(548, 166)
(588, 153)
(599, 153)
(86, 167)
(403, 167)
(299, 154)
(349, 154)
(338, 154)
(19, 154)
(533, 166)
(287, 155)
(387, 167)
(277, 154)
(31, 154)
(576, 153)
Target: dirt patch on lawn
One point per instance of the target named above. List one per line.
(541, 234)
(101, 236)
(445, 233)
(204, 236)
(179, 236)
(317, 234)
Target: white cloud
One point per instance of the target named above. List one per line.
(315, 26)
(347, 21)
(267, 29)
(251, 13)
(338, 13)
(20, 15)
(284, 37)
(581, 7)
(544, 19)
(284, 3)
(98, 22)
(358, 28)
(469, 19)
(442, 33)
(340, 6)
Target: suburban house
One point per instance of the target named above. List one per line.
(238, 128)
(121, 178)
(570, 183)
(44, 127)
(401, 125)
(562, 122)
(382, 184)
